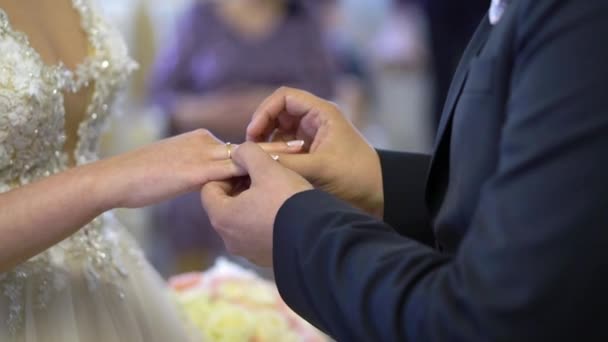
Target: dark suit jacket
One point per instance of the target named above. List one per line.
(451, 24)
(517, 201)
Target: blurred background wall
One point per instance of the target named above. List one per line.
(382, 58)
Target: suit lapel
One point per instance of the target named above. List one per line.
(479, 38)
(438, 173)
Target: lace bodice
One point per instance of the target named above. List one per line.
(31, 99)
(32, 136)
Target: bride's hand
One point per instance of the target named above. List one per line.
(168, 168)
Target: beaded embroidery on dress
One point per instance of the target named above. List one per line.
(95, 285)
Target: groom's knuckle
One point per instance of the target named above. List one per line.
(333, 108)
(228, 243)
(283, 90)
(214, 222)
(217, 220)
(230, 247)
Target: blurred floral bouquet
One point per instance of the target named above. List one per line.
(230, 304)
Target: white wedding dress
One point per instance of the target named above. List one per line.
(95, 285)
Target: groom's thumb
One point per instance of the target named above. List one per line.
(256, 161)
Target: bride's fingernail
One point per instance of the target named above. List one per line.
(274, 157)
(295, 143)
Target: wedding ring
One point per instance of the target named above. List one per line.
(229, 149)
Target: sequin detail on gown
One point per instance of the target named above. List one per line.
(32, 136)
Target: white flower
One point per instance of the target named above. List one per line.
(229, 323)
(271, 326)
(228, 303)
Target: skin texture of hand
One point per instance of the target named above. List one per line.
(339, 160)
(168, 168)
(244, 218)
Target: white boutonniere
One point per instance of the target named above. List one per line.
(497, 9)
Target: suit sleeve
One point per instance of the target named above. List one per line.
(406, 173)
(533, 265)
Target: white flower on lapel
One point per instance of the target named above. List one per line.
(497, 9)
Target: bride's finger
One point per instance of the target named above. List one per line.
(224, 151)
(293, 146)
(222, 170)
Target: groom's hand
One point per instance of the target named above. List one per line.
(339, 160)
(245, 220)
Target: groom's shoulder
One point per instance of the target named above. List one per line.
(546, 18)
(533, 8)
(535, 12)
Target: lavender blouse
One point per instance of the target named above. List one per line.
(207, 55)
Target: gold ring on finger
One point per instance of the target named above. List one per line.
(229, 149)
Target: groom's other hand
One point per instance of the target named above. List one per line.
(339, 160)
(245, 220)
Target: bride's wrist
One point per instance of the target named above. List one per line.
(104, 183)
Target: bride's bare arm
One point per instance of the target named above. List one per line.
(38, 215)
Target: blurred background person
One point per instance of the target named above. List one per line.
(227, 56)
(224, 58)
(353, 79)
(399, 54)
(416, 51)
